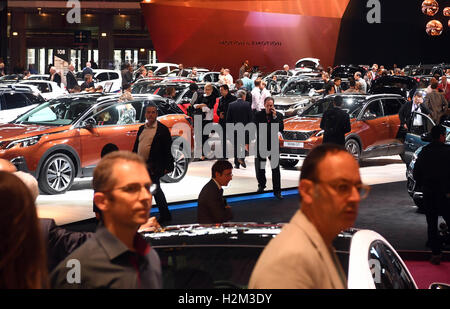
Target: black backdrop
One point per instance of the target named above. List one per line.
(400, 37)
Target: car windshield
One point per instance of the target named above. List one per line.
(301, 87)
(59, 112)
(392, 82)
(344, 72)
(351, 105)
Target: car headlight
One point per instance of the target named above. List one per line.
(30, 141)
(319, 133)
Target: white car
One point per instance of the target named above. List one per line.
(223, 256)
(48, 89)
(159, 68)
(310, 64)
(39, 77)
(17, 99)
(110, 80)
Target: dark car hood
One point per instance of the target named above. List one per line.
(10, 131)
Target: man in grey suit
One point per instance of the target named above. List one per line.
(212, 207)
(302, 255)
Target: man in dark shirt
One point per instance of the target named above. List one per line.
(116, 256)
(335, 123)
(432, 174)
(127, 75)
(88, 84)
(222, 110)
(87, 70)
(212, 207)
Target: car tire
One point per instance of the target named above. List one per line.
(288, 163)
(404, 158)
(57, 174)
(353, 148)
(181, 163)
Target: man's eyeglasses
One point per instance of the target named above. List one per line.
(134, 188)
(344, 188)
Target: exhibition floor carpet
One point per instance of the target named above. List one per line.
(76, 204)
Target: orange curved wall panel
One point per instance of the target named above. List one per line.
(269, 34)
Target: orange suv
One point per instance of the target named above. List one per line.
(374, 122)
(66, 137)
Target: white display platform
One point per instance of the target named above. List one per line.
(76, 205)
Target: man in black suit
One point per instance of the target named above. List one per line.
(71, 79)
(212, 207)
(182, 72)
(407, 122)
(335, 123)
(153, 143)
(222, 110)
(240, 111)
(337, 85)
(432, 174)
(270, 117)
(54, 76)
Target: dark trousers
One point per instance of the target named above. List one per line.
(261, 174)
(419, 130)
(160, 199)
(435, 204)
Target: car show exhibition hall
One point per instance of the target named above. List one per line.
(105, 107)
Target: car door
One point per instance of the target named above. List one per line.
(14, 104)
(374, 130)
(391, 107)
(116, 79)
(113, 128)
(374, 264)
(101, 79)
(413, 141)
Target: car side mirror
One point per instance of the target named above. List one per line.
(426, 137)
(185, 100)
(439, 286)
(369, 116)
(89, 123)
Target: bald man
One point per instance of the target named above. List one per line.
(7, 166)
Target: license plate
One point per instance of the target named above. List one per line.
(294, 144)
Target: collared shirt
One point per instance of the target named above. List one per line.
(106, 262)
(417, 118)
(146, 140)
(218, 185)
(256, 99)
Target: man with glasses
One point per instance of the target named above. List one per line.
(153, 143)
(212, 207)
(116, 256)
(302, 255)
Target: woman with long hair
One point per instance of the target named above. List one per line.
(23, 262)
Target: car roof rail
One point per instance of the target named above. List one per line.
(16, 86)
